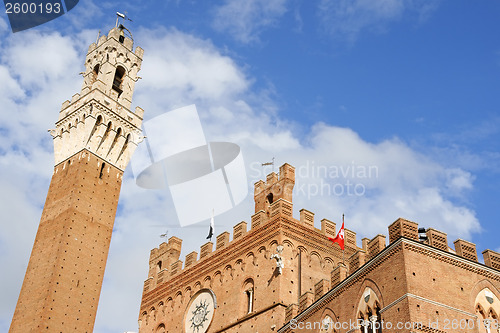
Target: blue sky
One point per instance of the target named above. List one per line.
(409, 86)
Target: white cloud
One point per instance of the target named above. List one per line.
(4, 26)
(36, 61)
(375, 183)
(347, 18)
(245, 20)
(181, 69)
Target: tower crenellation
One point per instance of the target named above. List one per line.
(99, 118)
(277, 186)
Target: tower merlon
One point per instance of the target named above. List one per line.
(222, 240)
(139, 112)
(272, 178)
(307, 217)
(281, 207)
(403, 228)
(328, 228)
(357, 260)
(437, 239)
(259, 186)
(375, 246)
(206, 250)
(258, 219)
(339, 274)
(191, 259)
(287, 172)
(239, 230)
(320, 288)
(118, 35)
(466, 249)
(350, 238)
(491, 259)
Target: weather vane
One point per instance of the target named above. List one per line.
(269, 163)
(123, 16)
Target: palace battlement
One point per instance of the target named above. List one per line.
(165, 263)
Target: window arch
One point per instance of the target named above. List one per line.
(487, 307)
(248, 297)
(95, 72)
(368, 312)
(327, 325)
(160, 329)
(269, 198)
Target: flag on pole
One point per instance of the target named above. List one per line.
(211, 231)
(340, 236)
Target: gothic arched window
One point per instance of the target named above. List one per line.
(369, 317)
(487, 306)
(95, 73)
(118, 80)
(248, 297)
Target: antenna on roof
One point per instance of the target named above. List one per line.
(422, 235)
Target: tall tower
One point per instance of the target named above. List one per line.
(95, 136)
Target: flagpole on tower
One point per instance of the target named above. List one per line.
(212, 227)
(340, 240)
(343, 252)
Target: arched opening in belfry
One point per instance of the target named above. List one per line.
(269, 198)
(95, 73)
(118, 80)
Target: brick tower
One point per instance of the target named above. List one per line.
(95, 136)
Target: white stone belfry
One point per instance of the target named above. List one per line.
(98, 118)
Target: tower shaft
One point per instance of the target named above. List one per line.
(63, 281)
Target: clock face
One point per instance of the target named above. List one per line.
(200, 312)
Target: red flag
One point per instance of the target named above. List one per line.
(340, 237)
